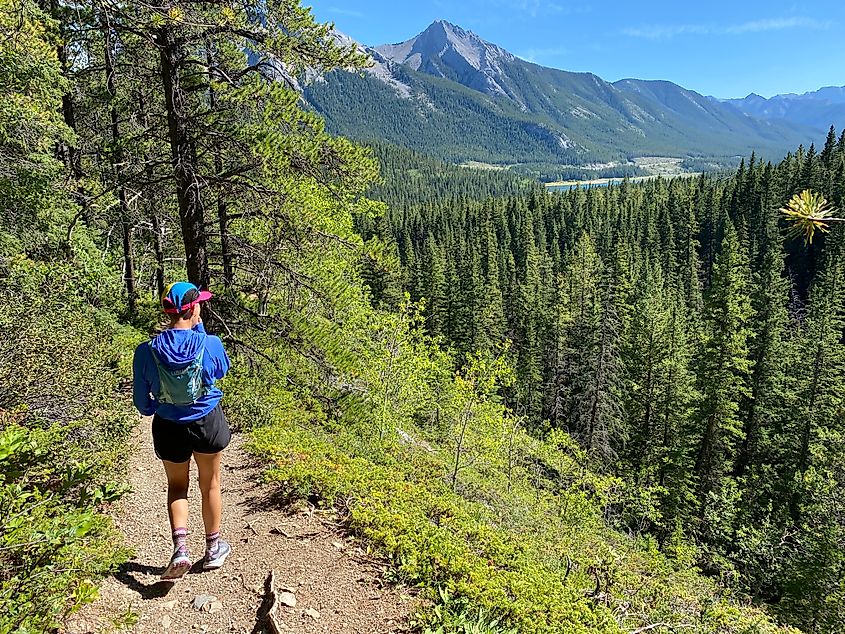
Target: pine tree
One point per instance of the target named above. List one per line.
(676, 399)
(382, 271)
(598, 411)
(829, 150)
(434, 289)
(724, 367)
(764, 406)
(812, 564)
(594, 361)
(822, 385)
(647, 354)
(559, 356)
(529, 315)
(491, 321)
(811, 176)
(207, 68)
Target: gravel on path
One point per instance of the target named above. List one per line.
(337, 588)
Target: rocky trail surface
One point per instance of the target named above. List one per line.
(322, 581)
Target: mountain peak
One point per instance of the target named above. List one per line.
(442, 39)
(451, 29)
(449, 51)
(444, 24)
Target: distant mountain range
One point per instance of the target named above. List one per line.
(819, 109)
(451, 94)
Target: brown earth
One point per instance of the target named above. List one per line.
(337, 588)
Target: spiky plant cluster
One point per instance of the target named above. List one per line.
(809, 212)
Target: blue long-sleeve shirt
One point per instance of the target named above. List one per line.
(177, 348)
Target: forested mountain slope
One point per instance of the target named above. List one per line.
(686, 346)
(506, 110)
(408, 177)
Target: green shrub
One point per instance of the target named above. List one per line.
(63, 432)
(540, 560)
(54, 545)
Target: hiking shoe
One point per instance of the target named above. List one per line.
(179, 564)
(214, 558)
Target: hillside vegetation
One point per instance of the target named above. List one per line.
(62, 425)
(672, 332)
(141, 144)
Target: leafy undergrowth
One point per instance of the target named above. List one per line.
(54, 543)
(515, 545)
(63, 433)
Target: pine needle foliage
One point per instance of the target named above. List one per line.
(808, 212)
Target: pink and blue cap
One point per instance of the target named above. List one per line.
(182, 296)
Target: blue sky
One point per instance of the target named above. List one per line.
(726, 48)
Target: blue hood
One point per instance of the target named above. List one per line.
(176, 348)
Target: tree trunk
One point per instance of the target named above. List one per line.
(117, 167)
(222, 207)
(70, 155)
(704, 461)
(159, 252)
(803, 462)
(73, 156)
(184, 159)
(806, 432)
(669, 399)
(751, 429)
(158, 234)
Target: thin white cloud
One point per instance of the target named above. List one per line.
(666, 31)
(533, 8)
(777, 24)
(348, 12)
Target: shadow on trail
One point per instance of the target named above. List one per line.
(127, 575)
(277, 499)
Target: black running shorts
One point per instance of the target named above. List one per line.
(177, 442)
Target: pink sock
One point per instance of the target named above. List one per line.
(180, 539)
(211, 540)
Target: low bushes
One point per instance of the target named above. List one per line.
(523, 549)
(63, 432)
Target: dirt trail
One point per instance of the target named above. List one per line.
(337, 588)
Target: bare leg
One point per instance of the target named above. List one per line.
(208, 466)
(178, 478)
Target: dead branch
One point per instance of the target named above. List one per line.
(272, 614)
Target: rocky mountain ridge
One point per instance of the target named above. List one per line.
(449, 93)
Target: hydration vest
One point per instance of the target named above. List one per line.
(181, 386)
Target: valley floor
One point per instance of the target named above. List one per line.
(604, 182)
(338, 588)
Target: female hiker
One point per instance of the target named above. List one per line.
(174, 376)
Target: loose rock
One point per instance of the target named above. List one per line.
(203, 602)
